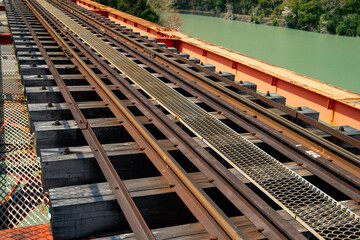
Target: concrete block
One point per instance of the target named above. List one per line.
(307, 112)
(209, 67)
(172, 49)
(273, 96)
(194, 60)
(227, 75)
(184, 55)
(248, 85)
(161, 44)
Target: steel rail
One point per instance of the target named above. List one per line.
(196, 119)
(126, 203)
(200, 195)
(335, 176)
(247, 202)
(328, 146)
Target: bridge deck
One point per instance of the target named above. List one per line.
(318, 212)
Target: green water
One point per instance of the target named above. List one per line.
(329, 58)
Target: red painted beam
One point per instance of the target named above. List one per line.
(102, 13)
(38, 232)
(5, 38)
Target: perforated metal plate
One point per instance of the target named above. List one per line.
(314, 209)
(38, 232)
(11, 88)
(22, 199)
(14, 128)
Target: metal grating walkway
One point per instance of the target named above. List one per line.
(314, 209)
(22, 199)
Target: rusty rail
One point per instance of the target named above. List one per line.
(191, 116)
(105, 92)
(238, 193)
(328, 147)
(326, 170)
(126, 203)
(216, 223)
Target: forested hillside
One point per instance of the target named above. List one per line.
(156, 11)
(327, 16)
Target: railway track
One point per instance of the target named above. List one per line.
(226, 92)
(96, 98)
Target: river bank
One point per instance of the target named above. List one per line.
(236, 17)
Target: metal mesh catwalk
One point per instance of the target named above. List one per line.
(317, 211)
(22, 199)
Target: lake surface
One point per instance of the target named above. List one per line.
(329, 58)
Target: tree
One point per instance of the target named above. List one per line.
(166, 13)
(309, 15)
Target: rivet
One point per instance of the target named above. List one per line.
(171, 185)
(43, 88)
(259, 229)
(57, 123)
(50, 104)
(66, 151)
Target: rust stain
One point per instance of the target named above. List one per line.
(38, 232)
